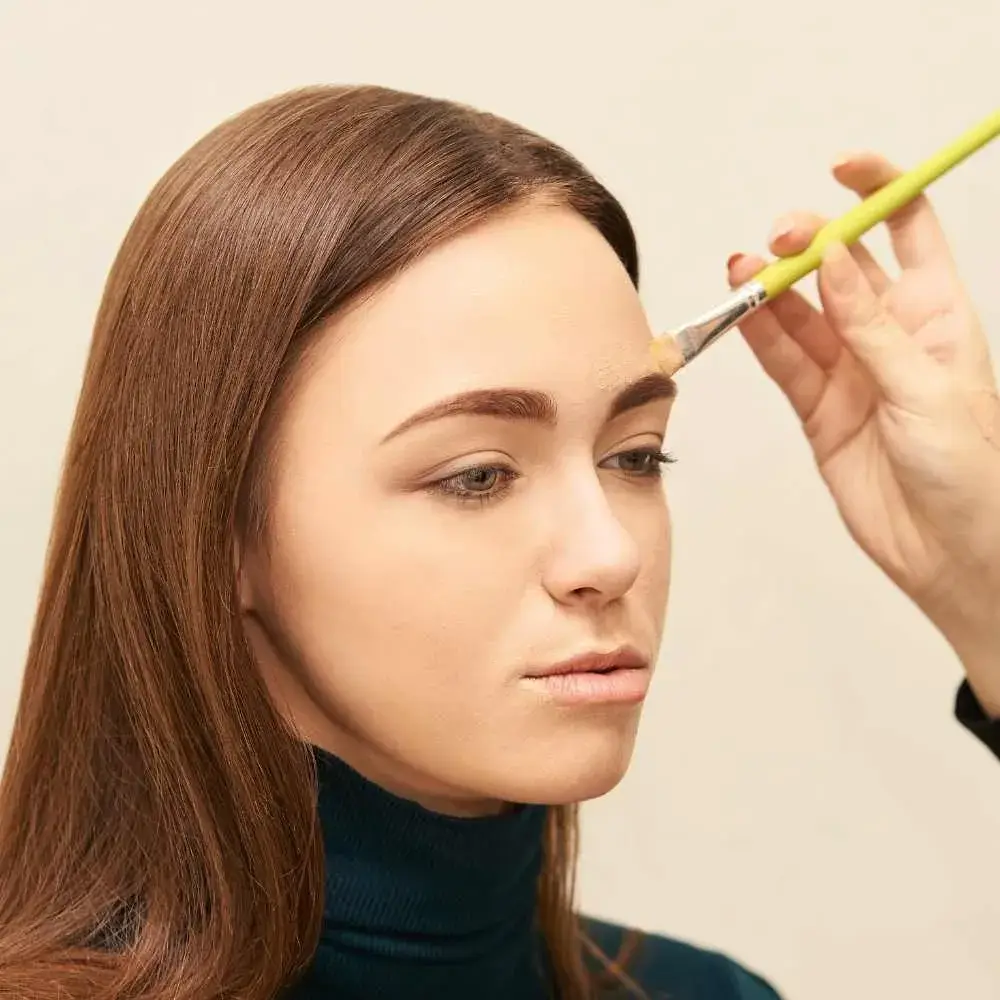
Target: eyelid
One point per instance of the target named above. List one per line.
(634, 442)
(472, 460)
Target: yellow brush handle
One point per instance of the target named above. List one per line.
(779, 276)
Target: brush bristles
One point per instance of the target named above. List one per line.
(667, 354)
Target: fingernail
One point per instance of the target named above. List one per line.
(844, 160)
(734, 260)
(782, 228)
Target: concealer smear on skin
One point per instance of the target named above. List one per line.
(985, 407)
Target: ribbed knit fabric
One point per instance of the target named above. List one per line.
(424, 905)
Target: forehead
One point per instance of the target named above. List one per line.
(534, 297)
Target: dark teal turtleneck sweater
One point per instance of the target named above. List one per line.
(421, 906)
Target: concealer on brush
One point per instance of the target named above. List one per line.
(672, 351)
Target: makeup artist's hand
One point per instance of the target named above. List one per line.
(893, 383)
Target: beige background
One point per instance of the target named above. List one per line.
(801, 796)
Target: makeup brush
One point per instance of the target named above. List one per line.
(672, 351)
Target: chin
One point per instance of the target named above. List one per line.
(577, 766)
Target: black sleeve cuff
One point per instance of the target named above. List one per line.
(970, 714)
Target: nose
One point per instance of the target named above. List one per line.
(593, 559)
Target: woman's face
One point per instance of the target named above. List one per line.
(467, 495)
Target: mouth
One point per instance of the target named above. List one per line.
(618, 677)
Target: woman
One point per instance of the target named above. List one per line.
(362, 521)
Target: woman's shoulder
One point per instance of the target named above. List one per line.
(664, 967)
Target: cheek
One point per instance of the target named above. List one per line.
(653, 534)
(383, 591)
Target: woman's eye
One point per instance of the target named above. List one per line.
(479, 480)
(479, 483)
(484, 483)
(640, 462)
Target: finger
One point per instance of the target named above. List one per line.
(809, 328)
(805, 324)
(917, 236)
(784, 360)
(793, 232)
(898, 365)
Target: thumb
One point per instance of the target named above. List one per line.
(896, 363)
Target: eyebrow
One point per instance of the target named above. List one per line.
(533, 405)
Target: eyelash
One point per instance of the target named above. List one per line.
(448, 488)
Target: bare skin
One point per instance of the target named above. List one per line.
(893, 383)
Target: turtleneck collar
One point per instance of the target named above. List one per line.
(419, 904)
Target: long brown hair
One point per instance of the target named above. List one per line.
(158, 829)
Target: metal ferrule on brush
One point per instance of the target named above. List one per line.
(696, 336)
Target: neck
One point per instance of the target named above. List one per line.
(420, 903)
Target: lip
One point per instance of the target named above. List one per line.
(623, 658)
(621, 676)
